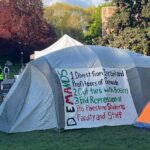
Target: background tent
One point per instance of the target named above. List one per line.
(143, 121)
(35, 102)
(64, 42)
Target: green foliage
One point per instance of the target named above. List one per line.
(129, 26)
(94, 28)
(137, 12)
(119, 21)
(66, 19)
(130, 38)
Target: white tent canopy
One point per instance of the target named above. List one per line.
(64, 42)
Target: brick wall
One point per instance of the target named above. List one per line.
(106, 13)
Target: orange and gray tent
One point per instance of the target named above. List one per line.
(143, 121)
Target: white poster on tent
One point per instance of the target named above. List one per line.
(96, 97)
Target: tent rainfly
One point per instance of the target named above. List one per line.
(78, 87)
(143, 121)
(64, 42)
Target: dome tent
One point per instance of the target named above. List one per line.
(64, 42)
(143, 121)
(35, 102)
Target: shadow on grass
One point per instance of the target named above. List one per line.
(104, 138)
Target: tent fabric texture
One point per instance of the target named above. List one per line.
(143, 121)
(64, 42)
(35, 101)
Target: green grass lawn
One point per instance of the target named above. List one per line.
(14, 70)
(104, 138)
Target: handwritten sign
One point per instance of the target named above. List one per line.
(96, 97)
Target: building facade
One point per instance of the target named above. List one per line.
(106, 13)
